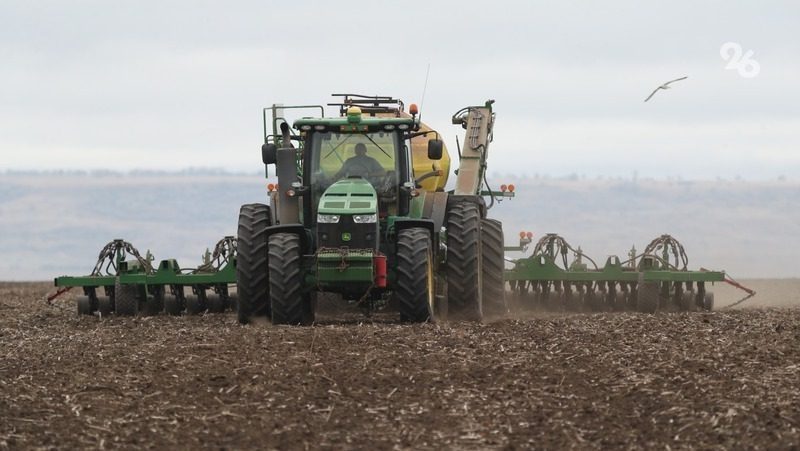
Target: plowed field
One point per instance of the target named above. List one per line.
(726, 379)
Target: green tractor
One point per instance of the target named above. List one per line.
(351, 214)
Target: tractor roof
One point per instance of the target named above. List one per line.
(369, 122)
(355, 121)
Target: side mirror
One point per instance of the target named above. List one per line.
(435, 149)
(269, 153)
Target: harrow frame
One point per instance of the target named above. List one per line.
(154, 290)
(657, 279)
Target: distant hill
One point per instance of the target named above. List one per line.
(53, 224)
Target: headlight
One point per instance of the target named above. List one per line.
(365, 219)
(327, 219)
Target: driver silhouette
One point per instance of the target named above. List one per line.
(360, 164)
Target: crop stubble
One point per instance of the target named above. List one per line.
(722, 379)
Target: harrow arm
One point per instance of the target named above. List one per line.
(729, 280)
(736, 284)
(58, 293)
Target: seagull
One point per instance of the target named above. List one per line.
(664, 86)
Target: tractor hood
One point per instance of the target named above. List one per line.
(349, 196)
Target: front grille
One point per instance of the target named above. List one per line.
(362, 236)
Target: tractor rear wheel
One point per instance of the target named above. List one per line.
(126, 299)
(464, 286)
(252, 271)
(288, 303)
(414, 293)
(493, 263)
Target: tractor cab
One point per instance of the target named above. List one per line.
(360, 157)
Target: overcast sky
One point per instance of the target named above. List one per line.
(173, 84)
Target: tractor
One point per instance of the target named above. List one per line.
(360, 210)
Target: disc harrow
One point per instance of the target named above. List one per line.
(125, 283)
(558, 276)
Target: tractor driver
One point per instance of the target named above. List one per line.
(360, 164)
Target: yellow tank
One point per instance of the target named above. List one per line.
(422, 165)
(419, 158)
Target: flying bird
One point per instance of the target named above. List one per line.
(664, 86)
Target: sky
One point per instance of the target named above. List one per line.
(168, 85)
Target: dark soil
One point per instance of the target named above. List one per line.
(727, 379)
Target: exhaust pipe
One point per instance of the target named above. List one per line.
(288, 205)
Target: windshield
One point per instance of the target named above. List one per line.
(373, 156)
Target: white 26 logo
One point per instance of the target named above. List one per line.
(745, 65)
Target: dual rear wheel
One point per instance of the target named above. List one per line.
(252, 273)
(269, 273)
(475, 263)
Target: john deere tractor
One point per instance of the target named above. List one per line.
(359, 209)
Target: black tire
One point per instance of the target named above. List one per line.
(464, 287)
(126, 299)
(172, 305)
(648, 295)
(84, 305)
(252, 270)
(288, 304)
(414, 291)
(492, 266)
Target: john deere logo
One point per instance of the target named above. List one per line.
(346, 236)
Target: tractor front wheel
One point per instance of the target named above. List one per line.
(288, 303)
(414, 293)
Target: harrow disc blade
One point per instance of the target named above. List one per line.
(104, 305)
(172, 305)
(84, 305)
(216, 303)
